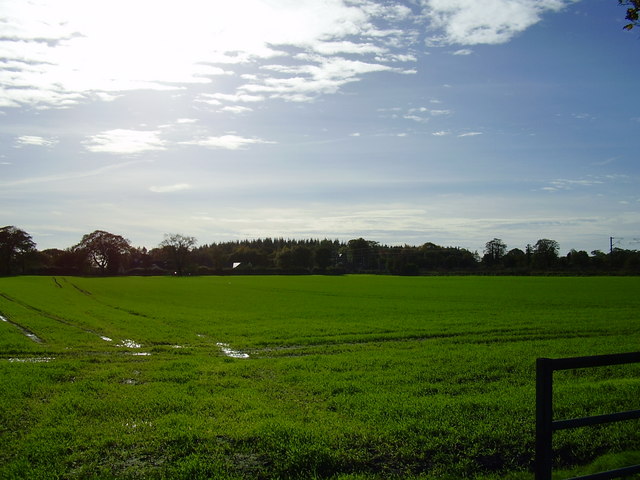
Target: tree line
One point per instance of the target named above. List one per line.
(105, 253)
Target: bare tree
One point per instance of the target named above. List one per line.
(178, 248)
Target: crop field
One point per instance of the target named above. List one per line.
(351, 377)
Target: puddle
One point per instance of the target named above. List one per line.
(33, 337)
(140, 354)
(140, 424)
(32, 360)
(231, 353)
(129, 344)
(27, 333)
(106, 339)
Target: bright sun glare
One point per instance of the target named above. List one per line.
(124, 45)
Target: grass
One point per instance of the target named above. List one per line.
(355, 377)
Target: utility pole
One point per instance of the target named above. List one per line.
(611, 239)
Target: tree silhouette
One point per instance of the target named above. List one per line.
(104, 250)
(633, 12)
(15, 244)
(178, 247)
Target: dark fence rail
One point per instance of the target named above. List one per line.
(545, 425)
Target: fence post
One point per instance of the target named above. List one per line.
(544, 419)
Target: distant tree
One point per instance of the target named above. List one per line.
(545, 253)
(494, 250)
(578, 259)
(323, 256)
(633, 12)
(15, 245)
(248, 257)
(178, 248)
(63, 262)
(515, 258)
(361, 253)
(104, 250)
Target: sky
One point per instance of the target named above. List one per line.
(403, 122)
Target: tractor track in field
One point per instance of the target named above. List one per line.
(24, 330)
(50, 316)
(474, 337)
(115, 307)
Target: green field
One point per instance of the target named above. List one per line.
(351, 377)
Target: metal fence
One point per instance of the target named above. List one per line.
(545, 425)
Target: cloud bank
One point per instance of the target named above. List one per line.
(57, 54)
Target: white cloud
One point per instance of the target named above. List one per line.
(333, 48)
(237, 109)
(463, 51)
(58, 54)
(416, 118)
(228, 142)
(306, 82)
(441, 133)
(34, 140)
(170, 188)
(217, 98)
(125, 141)
(469, 134)
(566, 184)
(473, 22)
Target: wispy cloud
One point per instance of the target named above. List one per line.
(170, 188)
(218, 98)
(228, 142)
(68, 175)
(469, 134)
(59, 54)
(34, 140)
(237, 109)
(122, 141)
(303, 83)
(567, 184)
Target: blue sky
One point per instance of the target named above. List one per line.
(445, 121)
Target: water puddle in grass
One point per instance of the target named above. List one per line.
(106, 339)
(140, 354)
(129, 344)
(26, 332)
(31, 360)
(140, 424)
(231, 353)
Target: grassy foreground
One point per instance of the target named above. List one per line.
(351, 377)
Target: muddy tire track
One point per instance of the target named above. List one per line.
(49, 315)
(24, 330)
(115, 307)
(81, 290)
